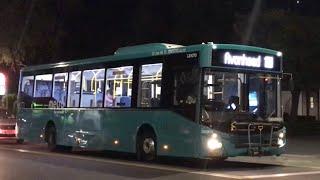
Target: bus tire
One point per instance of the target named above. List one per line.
(20, 141)
(51, 139)
(147, 147)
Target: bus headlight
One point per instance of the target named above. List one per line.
(213, 143)
(281, 135)
(281, 142)
(281, 138)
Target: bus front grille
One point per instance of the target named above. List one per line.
(254, 134)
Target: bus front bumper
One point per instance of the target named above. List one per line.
(226, 146)
(226, 152)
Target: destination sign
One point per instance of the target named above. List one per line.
(246, 60)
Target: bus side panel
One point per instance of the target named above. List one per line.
(32, 122)
(116, 130)
(178, 133)
(100, 129)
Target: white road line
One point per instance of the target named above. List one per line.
(298, 155)
(160, 167)
(281, 175)
(279, 161)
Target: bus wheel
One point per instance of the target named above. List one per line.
(20, 141)
(147, 146)
(51, 139)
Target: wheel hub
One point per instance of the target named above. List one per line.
(148, 145)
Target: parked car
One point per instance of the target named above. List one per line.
(8, 127)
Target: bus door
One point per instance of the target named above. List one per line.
(180, 92)
(182, 83)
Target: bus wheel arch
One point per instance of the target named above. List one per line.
(146, 143)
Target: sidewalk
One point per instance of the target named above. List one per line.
(300, 152)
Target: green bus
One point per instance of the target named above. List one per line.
(204, 101)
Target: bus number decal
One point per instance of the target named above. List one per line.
(192, 55)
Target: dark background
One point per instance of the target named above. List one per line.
(56, 30)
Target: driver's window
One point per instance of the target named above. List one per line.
(185, 87)
(185, 92)
(222, 90)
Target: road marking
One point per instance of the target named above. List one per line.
(281, 175)
(165, 168)
(281, 161)
(298, 155)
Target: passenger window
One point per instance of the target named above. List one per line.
(43, 85)
(150, 85)
(27, 86)
(60, 88)
(119, 87)
(92, 88)
(26, 91)
(74, 89)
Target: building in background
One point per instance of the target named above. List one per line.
(309, 104)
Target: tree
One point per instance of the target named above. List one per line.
(298, 38)
(30, 33)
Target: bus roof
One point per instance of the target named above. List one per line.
(147, 50)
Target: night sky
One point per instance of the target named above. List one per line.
(64, 30)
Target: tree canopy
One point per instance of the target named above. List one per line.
(296, 36)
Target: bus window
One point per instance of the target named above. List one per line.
(27, 86)
(26, 91)
(92, 88)
(43, 85)
(263, 95)
(74, 89)
(60, 88)
(119, 87)
(150, 85)
(185, 88)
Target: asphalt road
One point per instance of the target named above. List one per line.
(33, 161)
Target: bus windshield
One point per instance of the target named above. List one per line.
(231, 95)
